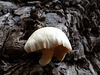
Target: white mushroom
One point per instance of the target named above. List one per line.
(51, 41)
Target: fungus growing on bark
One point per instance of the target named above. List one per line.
(51, 41)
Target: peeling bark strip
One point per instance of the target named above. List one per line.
(80, 21)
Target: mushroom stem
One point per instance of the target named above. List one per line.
(60, 52)
(60, 56)
(47, 55)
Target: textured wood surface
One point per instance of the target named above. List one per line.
(79, 19)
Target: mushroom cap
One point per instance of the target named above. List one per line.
(46, 38)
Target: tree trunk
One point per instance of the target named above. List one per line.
(80, 21)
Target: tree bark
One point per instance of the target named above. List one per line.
(78, 19)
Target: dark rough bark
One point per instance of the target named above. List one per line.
(79, 19)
